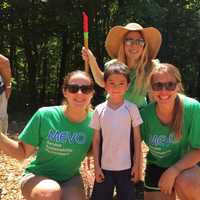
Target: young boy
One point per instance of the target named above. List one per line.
(116, 123)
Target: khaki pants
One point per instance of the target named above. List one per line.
(3, 113)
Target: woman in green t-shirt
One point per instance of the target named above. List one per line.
(61, 138)
(134, 46)
(171, 131)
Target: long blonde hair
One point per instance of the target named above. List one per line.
(177, 118)
(143, 67)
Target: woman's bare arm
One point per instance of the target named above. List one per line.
(88, 56)
(15, 149)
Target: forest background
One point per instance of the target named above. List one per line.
(43, 40)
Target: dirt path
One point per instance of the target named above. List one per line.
(10, 174)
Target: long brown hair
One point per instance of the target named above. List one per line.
(177, 115)
(142, 68)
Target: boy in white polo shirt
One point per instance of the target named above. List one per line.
(116, 122)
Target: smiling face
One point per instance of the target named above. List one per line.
(167, 87)
(116, 85)
(78, 97)
(133, 50)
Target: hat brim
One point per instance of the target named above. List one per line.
(115, 37)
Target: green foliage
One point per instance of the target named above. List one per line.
(43, 39)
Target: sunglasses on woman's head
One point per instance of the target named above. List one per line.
(130, 41)
(74, 88)
(158, 86)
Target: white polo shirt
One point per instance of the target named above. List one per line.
(116, 126)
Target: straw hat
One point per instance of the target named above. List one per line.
(116, 34)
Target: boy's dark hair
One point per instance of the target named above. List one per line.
(117, 68)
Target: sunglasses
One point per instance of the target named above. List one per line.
(158, 86)
(73, 88)
(129, 42)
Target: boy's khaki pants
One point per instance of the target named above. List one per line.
(3, 113)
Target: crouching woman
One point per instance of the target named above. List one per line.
(171, 131)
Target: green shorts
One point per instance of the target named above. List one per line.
(152, 177)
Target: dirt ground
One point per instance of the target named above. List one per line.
(11, 171)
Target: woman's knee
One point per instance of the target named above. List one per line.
(181, 182)
(47, 193)
(189, 179)
(187, 184)
(40, 188)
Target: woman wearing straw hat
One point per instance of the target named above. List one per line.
(136, 47)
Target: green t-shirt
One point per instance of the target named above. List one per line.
(132, 94)
(62, 144)
(164, 149)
